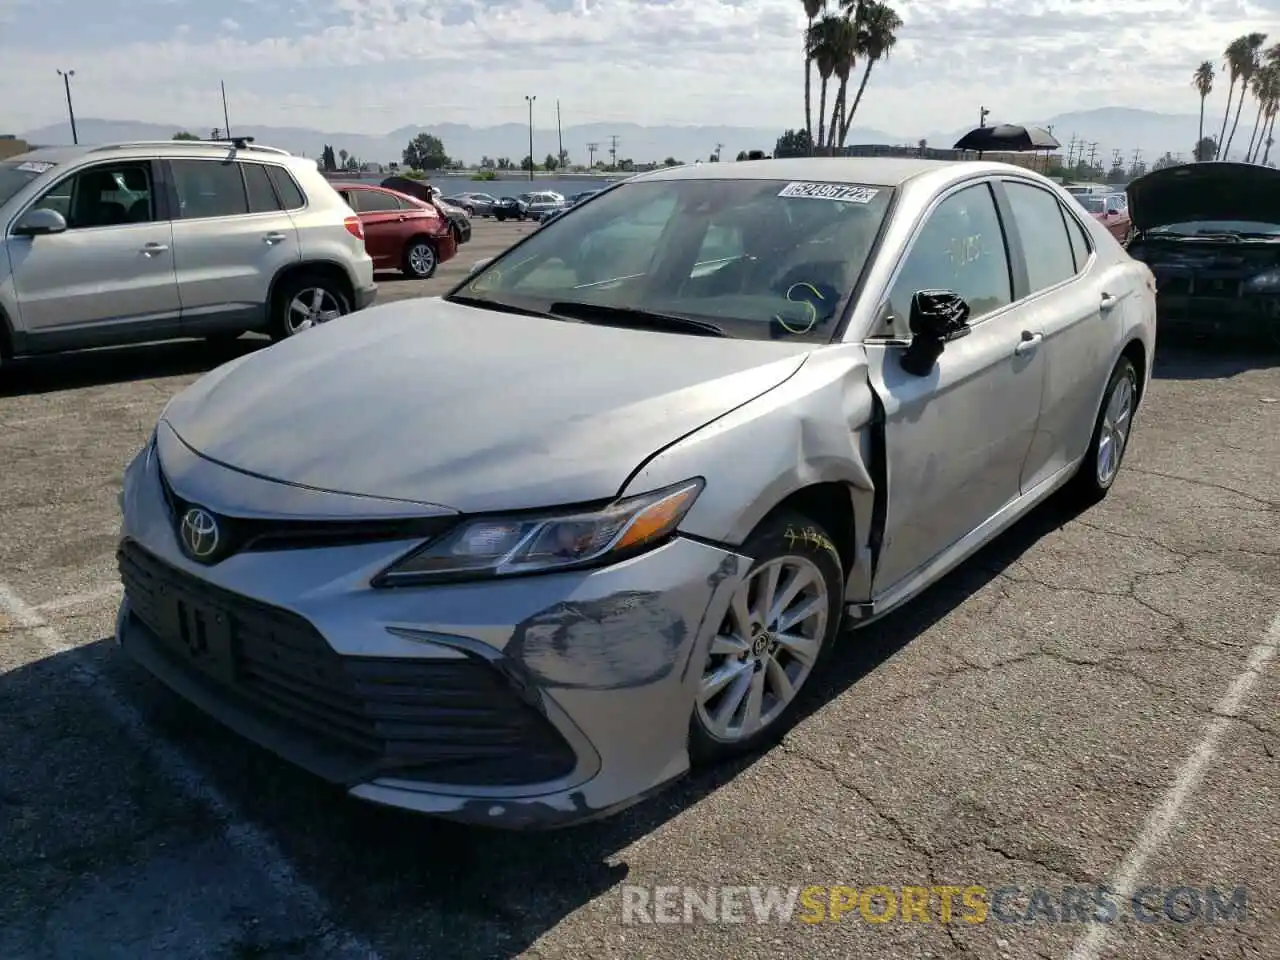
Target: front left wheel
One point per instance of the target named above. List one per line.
(782, 620)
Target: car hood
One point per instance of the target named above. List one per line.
(470, 409)
(1213, 190)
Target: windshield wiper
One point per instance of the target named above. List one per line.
(631, 316)
(498, 305)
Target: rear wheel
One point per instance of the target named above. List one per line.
(1101, 464)
(419, 258)
(782, 620)
(499, 216)
(306, 301)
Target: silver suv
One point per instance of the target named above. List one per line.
(130, 242)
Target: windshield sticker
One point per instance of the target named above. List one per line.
(845, 193)
(35, 166)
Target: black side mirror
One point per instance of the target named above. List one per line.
(936, 317)
(40, 222)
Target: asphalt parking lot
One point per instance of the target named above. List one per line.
(1093, 700)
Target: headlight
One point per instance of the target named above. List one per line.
(1264, 282)
(486, 547)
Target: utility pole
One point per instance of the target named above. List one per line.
(1093, 155)
(529, 100)
(591, 153)
(613, 152)
(1137, 158)
(559, 133)
(1115, 158)
(983, 113)
(719, 147)
(1071, 150)
(216, 134)
(225, 119)
(66, 82)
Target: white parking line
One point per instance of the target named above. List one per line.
(87, 599)
(247, 840)
(1162, 820)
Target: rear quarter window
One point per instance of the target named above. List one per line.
(287, 189)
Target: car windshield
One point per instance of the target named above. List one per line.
(757, 258)
(1245, 227)
(16, 174)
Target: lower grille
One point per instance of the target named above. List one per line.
(446, 721)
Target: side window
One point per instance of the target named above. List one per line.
(371, 201)
(1080, 246)
(961, 248)
(286, 189)
(262, 198)
(209, 188)
(1045, 241)
(104, 196)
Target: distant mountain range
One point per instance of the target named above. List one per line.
(1111, 128)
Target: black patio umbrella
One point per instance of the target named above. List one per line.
(1007, 137)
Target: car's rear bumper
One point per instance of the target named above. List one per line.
(366, 296)
(530, 703)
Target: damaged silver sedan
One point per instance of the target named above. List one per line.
(522, 554)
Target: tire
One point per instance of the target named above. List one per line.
(1101, 464)
(302, 291)
(749, 654)
(499, 217)
(419, 260)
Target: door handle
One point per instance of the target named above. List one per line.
(273, 238)
(151, 249)
(1109, 301)
(1028, 343)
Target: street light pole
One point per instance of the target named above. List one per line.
(530, 100)
(66, 82)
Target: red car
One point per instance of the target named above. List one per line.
(400, 232)
(1111, 210)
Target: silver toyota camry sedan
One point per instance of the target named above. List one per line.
(523, 554)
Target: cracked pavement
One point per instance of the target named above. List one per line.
(1014, 727)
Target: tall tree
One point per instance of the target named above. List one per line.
(824, 45)
(811, 10)
(1234, 58)
(1202, 80)
(877, 36)
(846, 60)
(1273, 108)
(1250, 61)
(1263, 87)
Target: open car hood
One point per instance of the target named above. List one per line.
(1212, 190)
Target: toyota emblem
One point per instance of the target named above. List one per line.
(199, 533)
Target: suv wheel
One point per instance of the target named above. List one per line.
(419, 259)
(304, 302)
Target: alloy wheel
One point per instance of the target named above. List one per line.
(422, 259)
(765, 649)
(1114, 430)
(311, 307)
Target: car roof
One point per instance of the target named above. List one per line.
(882, 171)
(170, 149)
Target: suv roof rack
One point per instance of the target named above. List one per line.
(236, 143)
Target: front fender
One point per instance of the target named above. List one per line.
(813, 428)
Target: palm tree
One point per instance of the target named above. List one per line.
(1202, 80)
(811, 10)
(1249, 63)
(824, 48)
(853, 12)
(1263, 86)
(1272, 57)
(877, 35)
(1234, 58)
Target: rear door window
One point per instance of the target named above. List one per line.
(1080, 246)
(1042, 226)
(371, 201)
(287, 189)
(262, 197)
(209, 188)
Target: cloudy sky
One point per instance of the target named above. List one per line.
(369, 66)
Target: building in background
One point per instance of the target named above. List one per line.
(11, 146)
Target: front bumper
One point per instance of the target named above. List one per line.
(529, 703)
